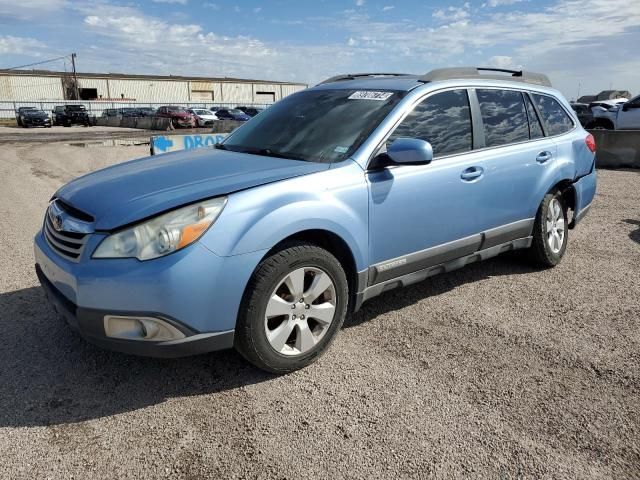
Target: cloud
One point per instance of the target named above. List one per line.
(503, 61)
(181, 2)
(500, 3)
(130, 40)
(257, 10)
(20, 46)
(387, 8)
(30, 9)
(452, 14)
(360, 3)
(555, 40)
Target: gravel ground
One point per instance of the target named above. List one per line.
(497, 370)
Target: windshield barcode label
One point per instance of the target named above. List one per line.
(369, 95)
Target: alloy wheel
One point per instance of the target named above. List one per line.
(300, 311)
(555, 226)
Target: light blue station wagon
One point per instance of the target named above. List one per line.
(332, 196)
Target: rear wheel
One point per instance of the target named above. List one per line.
(550, 231)
(294, 305)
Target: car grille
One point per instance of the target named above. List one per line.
(67, 244)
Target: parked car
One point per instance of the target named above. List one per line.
(146, 111)
(251, 111)
(68, 115)
(584, 114)
(204, 117)
(232, 114)
(35, 118)
(604, 112)
(111, 112)
(178, 115)
(20, 112)
(628, 115)
(332, 196)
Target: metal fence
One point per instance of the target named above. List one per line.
(95, 107)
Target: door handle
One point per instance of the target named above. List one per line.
(544, 157)
(471, 173)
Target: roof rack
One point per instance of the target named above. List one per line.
(353, 76)
(475, 72)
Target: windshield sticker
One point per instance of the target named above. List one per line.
(370, 95)
(341, 150)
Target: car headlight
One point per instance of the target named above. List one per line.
(163, 234)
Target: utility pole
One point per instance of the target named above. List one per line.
(75, 77)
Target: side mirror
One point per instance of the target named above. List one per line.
(625, 107)
(410, 151)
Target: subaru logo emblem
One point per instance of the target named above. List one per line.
(57, 222)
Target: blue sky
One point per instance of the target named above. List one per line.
(581, 44)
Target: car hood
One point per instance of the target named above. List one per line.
(36, 115)
(131, 191)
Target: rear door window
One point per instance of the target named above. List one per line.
(504, 117)
(556, 120)
(443, 119)
(535, 127)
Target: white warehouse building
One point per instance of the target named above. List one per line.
(46, 86)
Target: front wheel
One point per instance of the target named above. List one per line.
(550, 232)
(292, 309)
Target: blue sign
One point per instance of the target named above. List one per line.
(173, 143)
(162, 144)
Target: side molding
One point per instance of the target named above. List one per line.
(420, 275)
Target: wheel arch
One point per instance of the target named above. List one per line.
(334, 244)
(599, 122)
(569, 197)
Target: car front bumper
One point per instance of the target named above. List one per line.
(193, 290)
(36, 122)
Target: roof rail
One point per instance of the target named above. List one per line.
(475, 72)
(353, 76)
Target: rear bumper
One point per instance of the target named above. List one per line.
(89, 324)
(585, 189)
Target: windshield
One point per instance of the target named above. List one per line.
(79, 108)
(315, 125)
(234, 111)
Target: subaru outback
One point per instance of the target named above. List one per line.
(329, 198)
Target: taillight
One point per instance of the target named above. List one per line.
(591, 143)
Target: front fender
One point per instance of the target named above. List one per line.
(334, 200)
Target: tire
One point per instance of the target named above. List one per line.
(550, 232)
(302, 336)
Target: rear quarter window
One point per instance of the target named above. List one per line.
(556, 120)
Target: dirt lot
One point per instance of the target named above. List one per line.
(497, 370)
